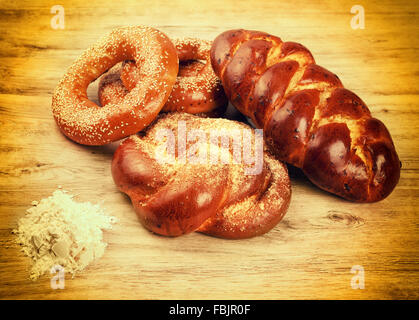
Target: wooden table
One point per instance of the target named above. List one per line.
(309, 254)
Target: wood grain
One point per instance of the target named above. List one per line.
(309, 254)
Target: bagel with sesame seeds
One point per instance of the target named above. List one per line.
(82, 120)
(197, 89)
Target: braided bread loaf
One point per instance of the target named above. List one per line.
(309, 119)
(193, 192)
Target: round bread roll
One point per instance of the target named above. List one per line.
(186, 173)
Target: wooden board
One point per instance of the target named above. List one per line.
(309, 254)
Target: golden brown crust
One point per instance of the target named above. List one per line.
(85, 122)
(219, 199)
(258, 213)
(197, 89)
(309, 119)
(111, 89)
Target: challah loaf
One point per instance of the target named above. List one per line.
(309, 119)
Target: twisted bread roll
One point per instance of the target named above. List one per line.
(193, 192)
(309, 119)
(197, 89)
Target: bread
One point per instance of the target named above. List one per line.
(197, 89)
(204, 184)
(309, 119)
(82, 120)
